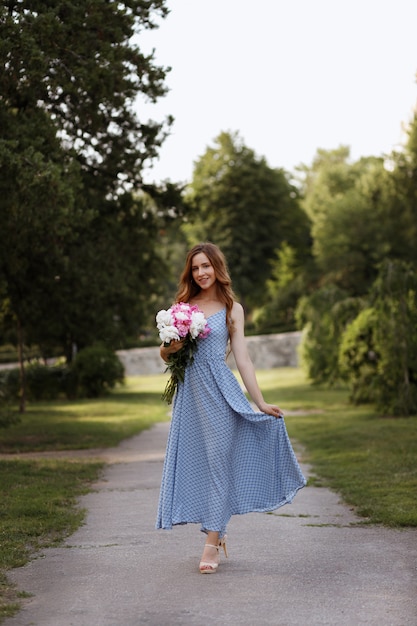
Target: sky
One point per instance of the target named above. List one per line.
(290, 76)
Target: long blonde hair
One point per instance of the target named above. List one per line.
(188, 289)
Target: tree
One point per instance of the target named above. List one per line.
(364, 218)
(347, 204)
(358, 357)
(248, 209)
(115, 270)
(37, 188)
(394, 297)
(402, 214)
(72, 150)
(289, 282)
(378, 350)
(77, 62)
(324, 315)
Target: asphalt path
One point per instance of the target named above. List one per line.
(310, 563)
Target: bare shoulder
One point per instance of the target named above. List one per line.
(237, 308)
(238, 314)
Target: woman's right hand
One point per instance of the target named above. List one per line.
(174, 346)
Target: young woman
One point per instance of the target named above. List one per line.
(223, 458)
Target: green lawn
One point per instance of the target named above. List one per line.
(38, 497)
(66, 425)
(369, 459)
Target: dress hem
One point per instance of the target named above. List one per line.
(287, 500)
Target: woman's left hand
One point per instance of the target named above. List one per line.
(271, 409)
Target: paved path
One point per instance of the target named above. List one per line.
(308, 564)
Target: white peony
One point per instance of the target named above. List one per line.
(167, 333)
(164, 318)
(198, 324)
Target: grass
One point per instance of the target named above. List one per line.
(37, 509)
(84, 424)
(369, 459)
(38, 505)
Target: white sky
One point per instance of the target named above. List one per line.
(290, 76)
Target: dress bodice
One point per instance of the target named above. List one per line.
(214, 345)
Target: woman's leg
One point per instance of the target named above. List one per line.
(210, 557)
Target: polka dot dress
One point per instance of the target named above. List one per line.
(222, 457)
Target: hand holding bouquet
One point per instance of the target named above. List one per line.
(181, 321)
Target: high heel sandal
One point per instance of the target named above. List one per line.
(222, 544)
(210, 567)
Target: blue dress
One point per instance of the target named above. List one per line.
(222, 457)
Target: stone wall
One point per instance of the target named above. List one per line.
(266, 351)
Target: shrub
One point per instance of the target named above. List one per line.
(324, 315)
(42, 382)
(378, 351)
(395, 300)
(7, 415)
(358, 357)
(96, 370)
(10, 384)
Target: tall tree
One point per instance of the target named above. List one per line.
(378, 352)
(347, 204)
(248, 209)
(76, 60)
(364, 226)
(37, 215)
(402, 215)
(72, 149)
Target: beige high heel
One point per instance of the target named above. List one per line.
(222, 544)
(210, 567)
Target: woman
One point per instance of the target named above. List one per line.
(222, 457)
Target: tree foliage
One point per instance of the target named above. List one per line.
(347, 204)
(394, 297)
(288, 283)
(248, 209)
(78, 246)
(358, 357)
(324, 315)
(364, 221)
(77, 62)
(378, 351)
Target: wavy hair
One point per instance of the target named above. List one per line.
(188, 289)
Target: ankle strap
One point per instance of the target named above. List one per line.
(210, 545)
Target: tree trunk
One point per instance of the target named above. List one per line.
(22, 403)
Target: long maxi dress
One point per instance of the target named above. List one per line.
(222, 457)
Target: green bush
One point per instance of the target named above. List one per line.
(395, 300)
(8, 416)
(378, 350)
(96, 370)
(324, 315)
(9, 384)
(358, 357)
(42, 382)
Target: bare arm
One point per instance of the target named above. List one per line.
(245, 365)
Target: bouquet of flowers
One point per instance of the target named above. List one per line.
(181, 321)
